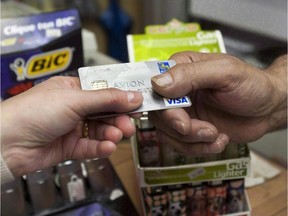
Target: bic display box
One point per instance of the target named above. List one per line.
(36, 47)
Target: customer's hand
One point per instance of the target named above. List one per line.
(44, 125)
(231, 101)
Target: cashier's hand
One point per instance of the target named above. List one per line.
(232, 102)
(44, 125)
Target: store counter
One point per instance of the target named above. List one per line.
(269, 198)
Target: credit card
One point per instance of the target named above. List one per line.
(131, 77)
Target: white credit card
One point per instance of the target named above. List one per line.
(131, 77)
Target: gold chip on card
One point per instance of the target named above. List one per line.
(99, 84)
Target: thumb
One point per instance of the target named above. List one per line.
(213, 71)
(109, 100)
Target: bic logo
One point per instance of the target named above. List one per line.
(163, 66)
(42, 64)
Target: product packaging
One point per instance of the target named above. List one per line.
(100, 177)
(149, 144)
(196, 195)
(177, 200)
(202, 186)
(39, 183)
(160, 42)
(36, 47)
(71, 181)
(228, 168)
(155, 201)
(216, 198)
(13, 198)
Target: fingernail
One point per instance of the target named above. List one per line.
(216, 147)
(130, 96)
(163, 80)
(179, 126)
(206, 134)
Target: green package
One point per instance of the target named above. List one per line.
(173, 27)
(153, 47)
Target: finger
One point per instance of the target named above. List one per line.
(205, 74)
(59, 82)
(123, 123)
(107, 100)
(102, 131)
(88, 148)
(173, 119)
(136, 115)
(177, 124)
(190, 56)
(197, 148)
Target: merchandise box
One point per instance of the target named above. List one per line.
(154, 47)
(161, 41)
(36, 47)
(233, 163)
(174, 26)
(171, 183)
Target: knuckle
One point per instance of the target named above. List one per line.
(234, 68)
(230, 62)
(72, 82)
(117, 97)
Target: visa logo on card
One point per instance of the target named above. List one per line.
(131, 77)
(176, 101)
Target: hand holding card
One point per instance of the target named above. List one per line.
(131, 77)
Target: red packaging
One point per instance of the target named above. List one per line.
(216, 198)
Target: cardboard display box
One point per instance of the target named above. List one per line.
(231, 165)
(36, 47)
(228, 166)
